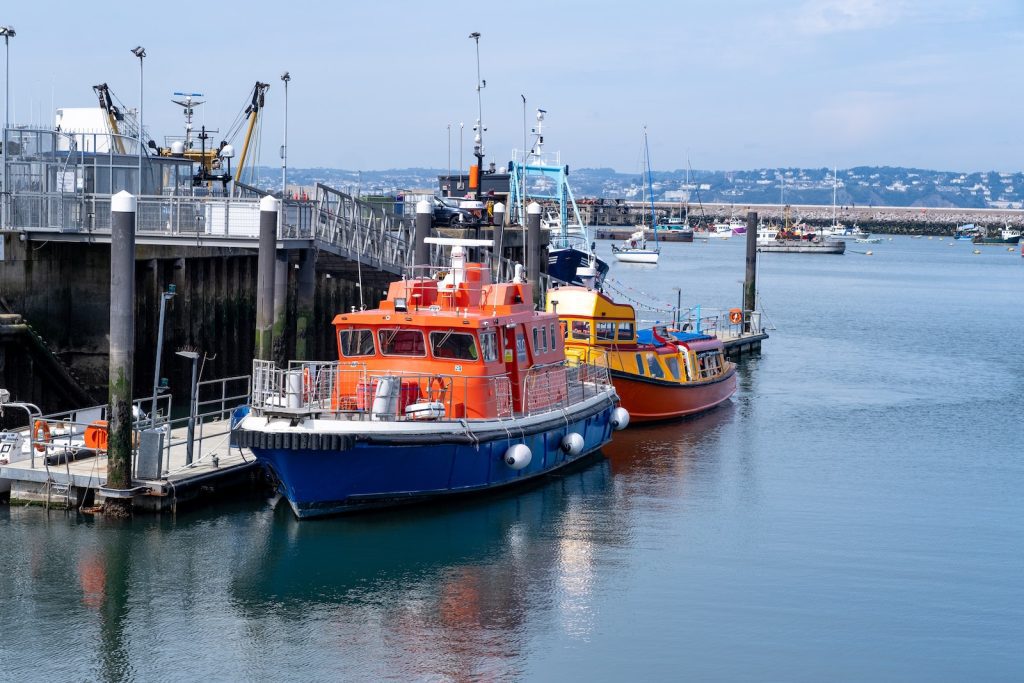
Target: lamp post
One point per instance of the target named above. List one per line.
(164, 298)
(189, 440)
(462, 165)
(7, 32)
(448, 180)
(286, 77)
(140, 52)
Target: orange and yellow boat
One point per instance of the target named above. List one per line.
(658, 374)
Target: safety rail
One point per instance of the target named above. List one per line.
(352, 392)
(58, 435)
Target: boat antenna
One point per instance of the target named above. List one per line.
(478, 138)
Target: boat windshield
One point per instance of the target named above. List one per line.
(356, 342)
(453, 346)
(398, 342)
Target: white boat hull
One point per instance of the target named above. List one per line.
(637, 256)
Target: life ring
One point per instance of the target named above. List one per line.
(41, 434)
(307, 384)
(96, 436)
(686, 327)
(442, 388)
(735, 315)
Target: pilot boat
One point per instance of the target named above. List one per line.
(452, 385)
(658, 374)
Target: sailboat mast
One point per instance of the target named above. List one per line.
(650, 185)
(834, 180)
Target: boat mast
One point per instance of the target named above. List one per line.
(833, 197)
(650, 184)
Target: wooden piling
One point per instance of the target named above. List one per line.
(122, 350)
(304, 298)
(421, 250)
(533, 250)
(269, 207)
(750, 281)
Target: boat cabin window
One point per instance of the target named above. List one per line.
(453, 346)
(489, 346)
(673, 366)
(397, 342)
(540, 339)
(606, 331)
(654, 366)
(626, 332)
(356, 342)
(565, 329)
(554, 339)
(581, 329)
(708, 364)
(639, 364)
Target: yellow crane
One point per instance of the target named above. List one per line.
(113, 112)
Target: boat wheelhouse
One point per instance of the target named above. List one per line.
(453, 384)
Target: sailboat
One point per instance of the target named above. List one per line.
(838, 230)
(634, 249)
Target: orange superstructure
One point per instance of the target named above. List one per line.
(463, 340)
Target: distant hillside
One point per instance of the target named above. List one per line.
(860, 186)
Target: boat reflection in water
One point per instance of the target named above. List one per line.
(440, 591)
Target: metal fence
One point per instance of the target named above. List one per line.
(352, 392)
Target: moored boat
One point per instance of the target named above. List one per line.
(634, 249)
(452, 385)
(658, 375)
(1007, 235)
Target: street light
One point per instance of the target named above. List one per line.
(164, 298)
(194, 357)
(7, 32)
(462, 164)
(284, 148)
(140, 52)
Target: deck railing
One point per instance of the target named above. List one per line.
(351, 391)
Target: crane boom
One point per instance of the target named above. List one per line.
(113, 113)
(252, 112)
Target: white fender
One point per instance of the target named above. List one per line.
(572, 443)
(518, 456)
(620, 418)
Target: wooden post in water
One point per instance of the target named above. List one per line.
(304, 303)
(532, 250)
(269, 207)
(750, 281)
(122, 346)
(498, 235)
(280, 343)
(421, 250)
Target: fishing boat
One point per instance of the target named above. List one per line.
(679, 228)
(539, 176)
(635, 249)
(658, 374)
(454, 384)
(1007, 235)
(966, 232)
(799, 239)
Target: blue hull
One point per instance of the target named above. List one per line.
(372, 475)
(562, 264)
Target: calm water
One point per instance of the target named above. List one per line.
(854, 514)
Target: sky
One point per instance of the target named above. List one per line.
(732, 84)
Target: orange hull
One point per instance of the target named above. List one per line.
(650, 400)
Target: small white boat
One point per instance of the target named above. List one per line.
(635, 250)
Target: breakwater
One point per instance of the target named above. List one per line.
(911, 220)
